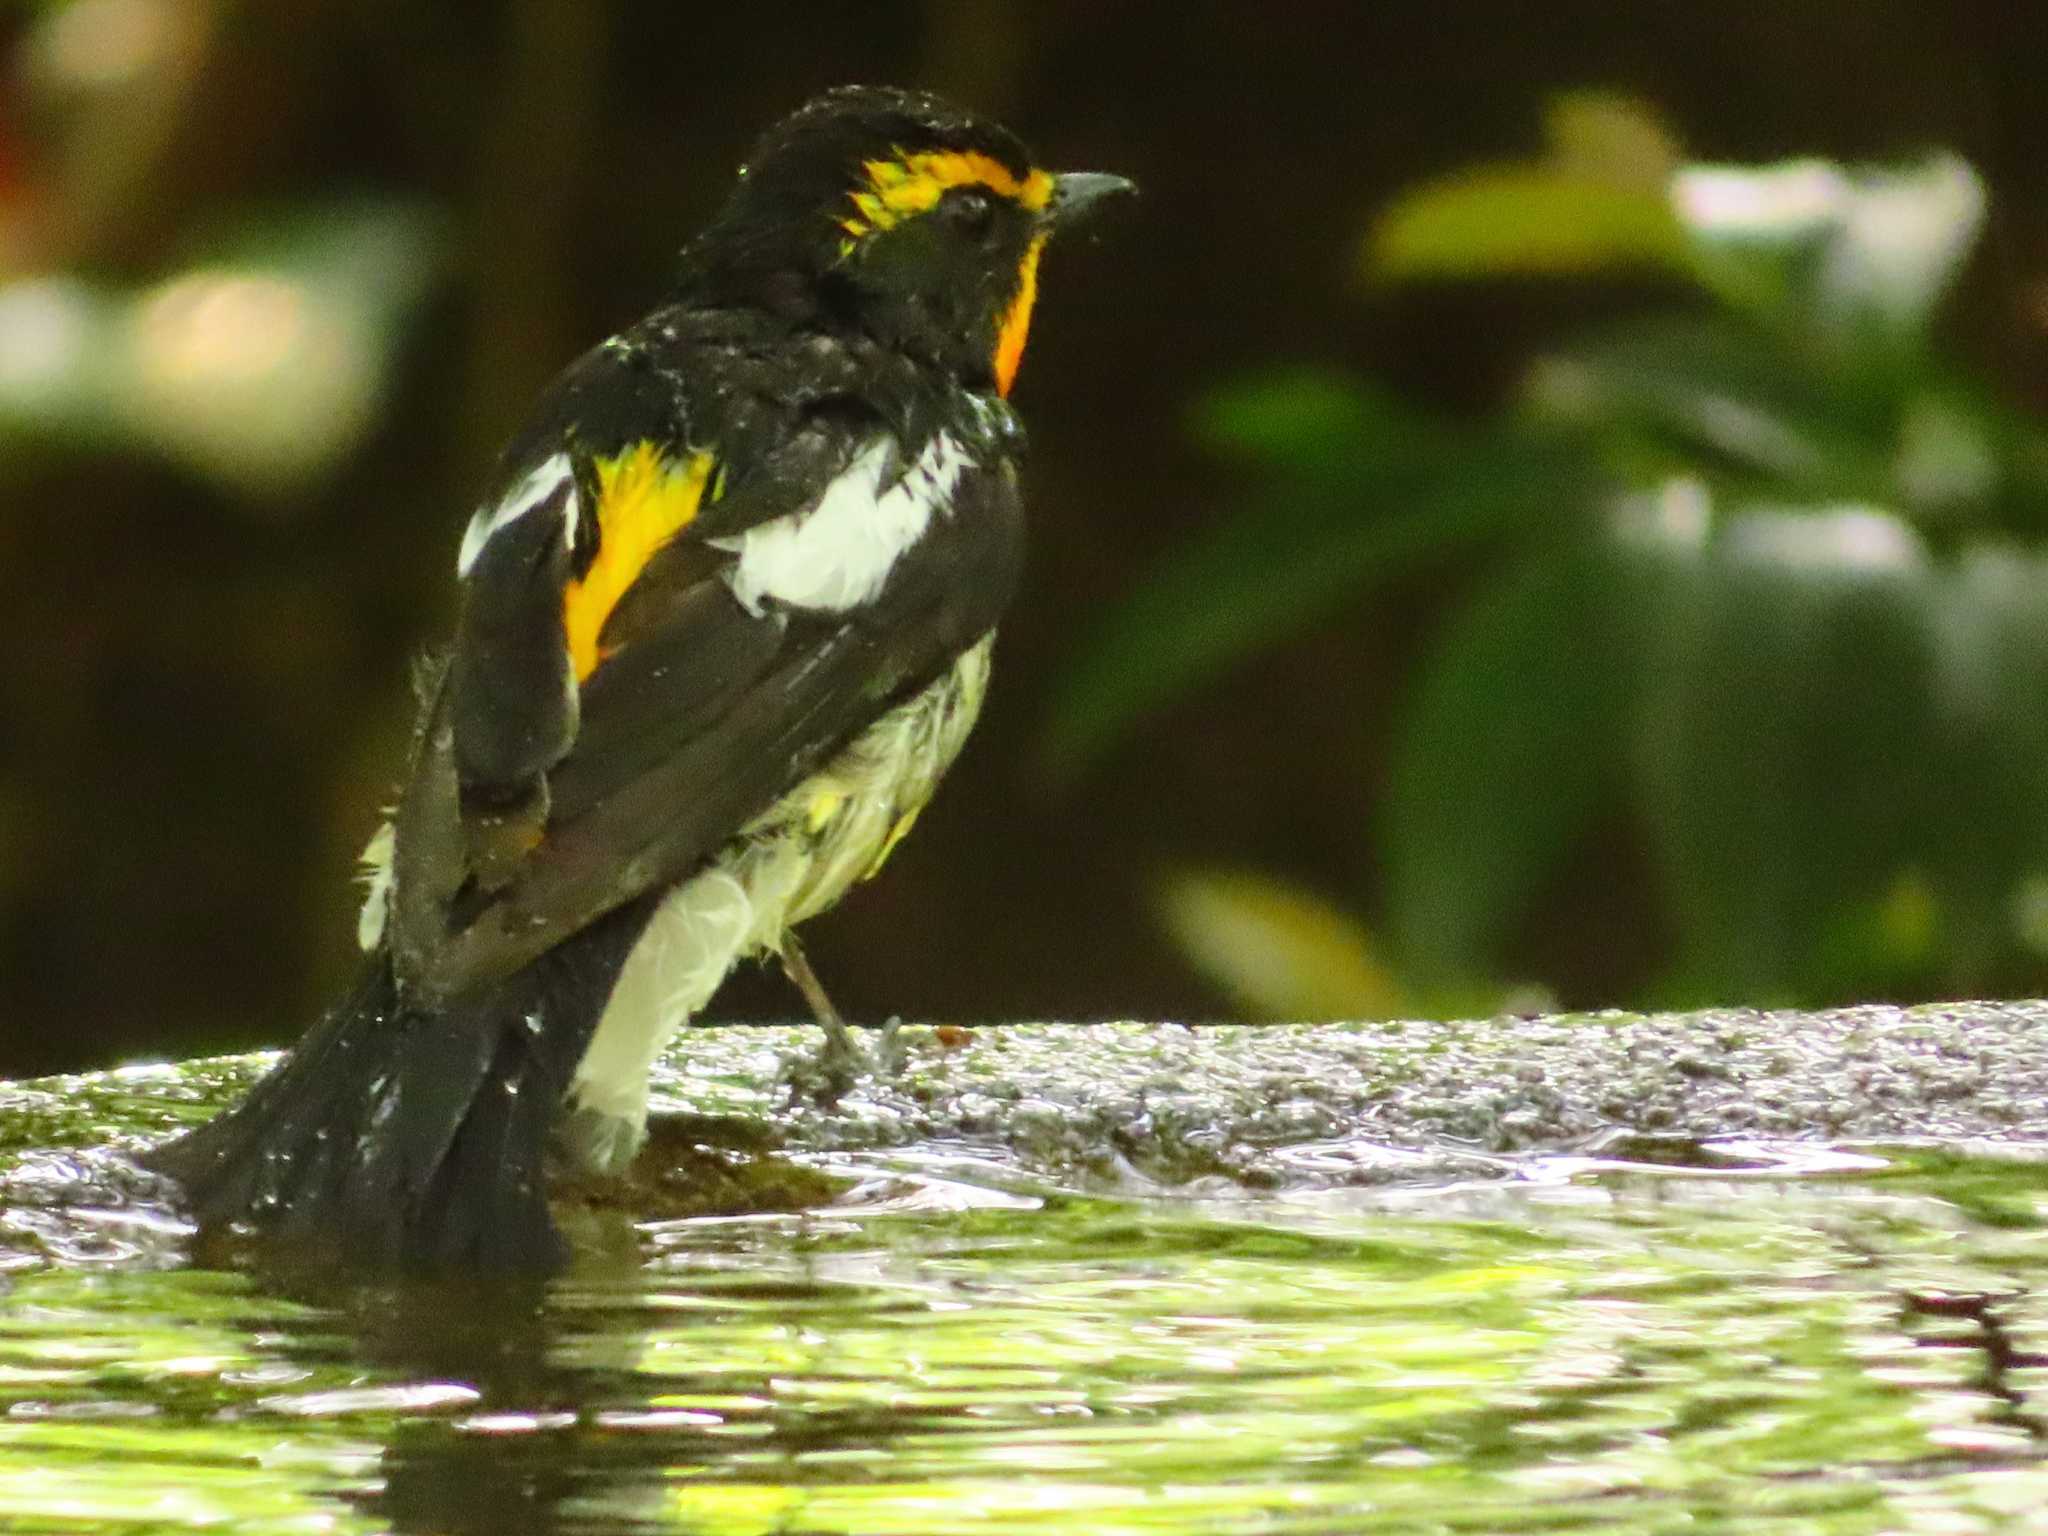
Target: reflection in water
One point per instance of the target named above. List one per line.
(1647, 1338)
(472, 1442)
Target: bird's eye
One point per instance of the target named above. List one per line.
(972, 212)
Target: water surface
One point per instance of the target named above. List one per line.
(1648, 1336)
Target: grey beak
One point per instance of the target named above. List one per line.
(1076, 192)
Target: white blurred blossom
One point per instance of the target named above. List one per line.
(1887, 242)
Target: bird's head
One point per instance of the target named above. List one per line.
(897, 214)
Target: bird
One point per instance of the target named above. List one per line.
(725, 620)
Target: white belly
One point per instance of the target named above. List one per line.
(790, 863)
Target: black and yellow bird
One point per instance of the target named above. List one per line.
(725, 622)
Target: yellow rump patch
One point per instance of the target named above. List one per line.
(896, 835)
(644, 500)
(912, 184)
(824, 806)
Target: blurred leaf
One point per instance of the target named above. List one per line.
(1782, 737)
(1502, 758)
(1967, 460)
(1863, 253)
(1273, 570)
(1595, 203)
(1856, 256)
(1882, 734)
(263, 369)
(1523, 221)
(1277, 950)
(1831, 708)
(55, 340)
(1946, 461)
(1888, 944)
(1759, 233)
(259, 367)
(1986, 830)
(1312, 421)
(1613, 138)
(1707, 396)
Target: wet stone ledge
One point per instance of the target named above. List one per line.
(1286, 1103)
(1270, 1105)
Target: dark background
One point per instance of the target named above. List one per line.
(204, 700)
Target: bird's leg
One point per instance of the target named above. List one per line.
(841, 1059)
(797, 966)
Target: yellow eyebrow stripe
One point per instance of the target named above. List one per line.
(912, 184)
(644, 500)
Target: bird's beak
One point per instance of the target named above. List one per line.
(1076, 192)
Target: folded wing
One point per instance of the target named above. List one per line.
(655, 644)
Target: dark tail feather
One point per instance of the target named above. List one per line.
(399, 1136)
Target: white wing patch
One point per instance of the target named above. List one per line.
(547, 477)
(837, 554)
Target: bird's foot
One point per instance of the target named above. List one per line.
(826, 1076)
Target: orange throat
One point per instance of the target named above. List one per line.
(1016, 327)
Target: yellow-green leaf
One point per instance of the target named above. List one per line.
(1524, 220)
(1612, 138)
(1278, 951)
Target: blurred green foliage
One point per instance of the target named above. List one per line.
(277, 280)
(1758, 568)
